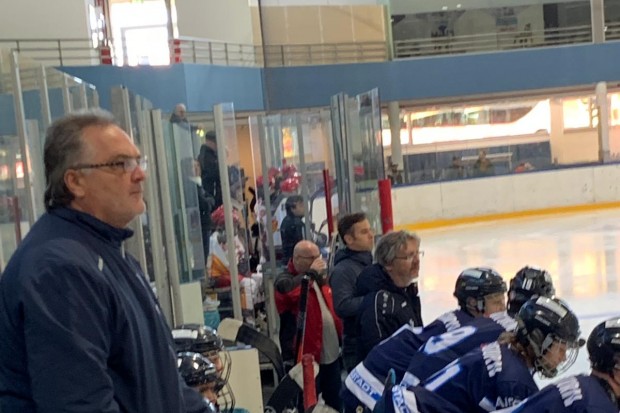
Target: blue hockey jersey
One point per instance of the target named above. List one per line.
(490, 378)
(441, 350)
(416, 400)
(365, 382)
(576, 394)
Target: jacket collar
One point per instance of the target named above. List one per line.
(107, 232)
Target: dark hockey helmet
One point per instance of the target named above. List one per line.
(198, 371)
(543, 321)
(604, 346)
(197, 338)
(477, 283)
(205, 340)
(528, 282)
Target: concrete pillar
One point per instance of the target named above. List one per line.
(597, 13)
(394, 118)
(557, 129)
(602, 104)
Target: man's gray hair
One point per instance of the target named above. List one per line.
(64, 148)
(390, 244)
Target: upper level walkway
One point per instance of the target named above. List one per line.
(81, 52)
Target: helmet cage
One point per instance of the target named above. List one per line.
(543, 365)
(542, 322)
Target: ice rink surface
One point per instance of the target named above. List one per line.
(581, 251)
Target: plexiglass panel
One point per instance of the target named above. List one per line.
(358, 152)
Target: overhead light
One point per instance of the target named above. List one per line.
(444, 7)
(458, 6)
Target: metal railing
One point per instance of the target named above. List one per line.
(64, 52)
(318, 54)
(195, 50)
(56, 52)
(492, 41)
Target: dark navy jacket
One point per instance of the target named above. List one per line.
(348, 264)
(441, 350)
(493, 377)
(385, 308)
(573, 394)
(80, 329)
(365, 382)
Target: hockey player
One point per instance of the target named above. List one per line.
(205, 341)
(528, 282)
(499, 375)
(199, 373)
(441, 350)
(479, 292)
(599, 392)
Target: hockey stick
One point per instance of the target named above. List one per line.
(301, 317)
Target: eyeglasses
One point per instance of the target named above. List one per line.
(308, 258)
(128, 164)
(410, 257)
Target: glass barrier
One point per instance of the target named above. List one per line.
(184, 197)
(499, 138)
(230, 242)
(359, 154)
(26, 102)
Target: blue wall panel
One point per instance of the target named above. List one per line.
(164, 86)
(201, 86)
(210, 85)
(450, 76)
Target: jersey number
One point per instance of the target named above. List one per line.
(444, 341)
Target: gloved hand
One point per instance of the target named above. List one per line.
(384, 404)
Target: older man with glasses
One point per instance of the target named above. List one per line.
(80, 328)
(390, 290)
(323, 329)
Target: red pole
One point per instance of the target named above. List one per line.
(310, 398)
(385, 200)
(328, 202)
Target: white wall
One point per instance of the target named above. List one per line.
(506, 194)
(37, 19)
(222, 20)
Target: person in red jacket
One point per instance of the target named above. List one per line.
(323, 329)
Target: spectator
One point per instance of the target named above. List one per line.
(395, 175)
(323, 328)
(80, 328)
(456, 169)
(179, 116)
(357, 235)
(209, 167)
(292, 229)
(483, 166)
(390, 290)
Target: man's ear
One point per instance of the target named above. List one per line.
(347, 239)
(74, 180)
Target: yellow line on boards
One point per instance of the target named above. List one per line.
(506, 215)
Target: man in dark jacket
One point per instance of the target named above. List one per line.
(80, 328)
(390, 290)
(292, 229)
(357, 235)
(209, 169)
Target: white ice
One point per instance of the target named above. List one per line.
(581, 251)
